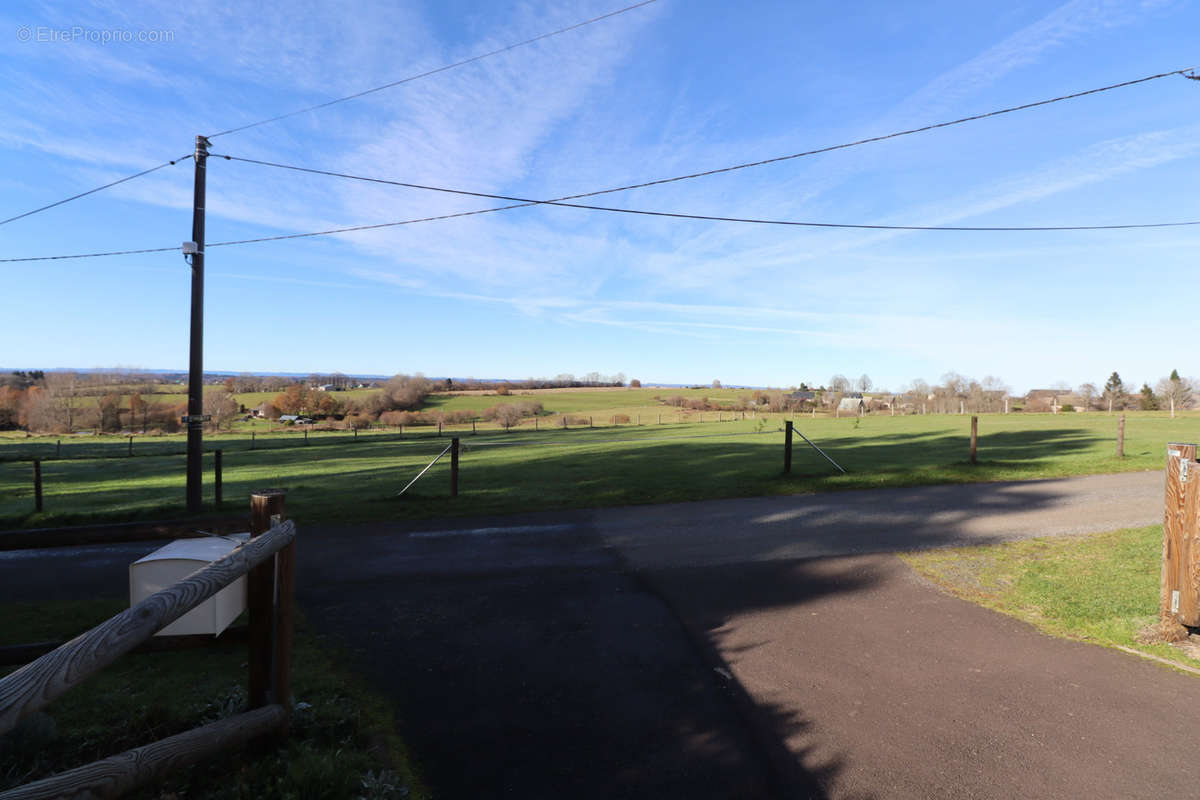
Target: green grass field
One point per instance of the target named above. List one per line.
(336, 477)
(1101, 588)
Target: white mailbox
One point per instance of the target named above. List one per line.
(170, 564)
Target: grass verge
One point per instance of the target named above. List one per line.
(343, 742)
(1100, 588)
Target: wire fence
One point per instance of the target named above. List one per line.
(103, 446)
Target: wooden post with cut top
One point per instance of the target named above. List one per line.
(974, 436)
(37, 484)
(454, 450)
(1121, 437)
(1180, 472)
(266, 506)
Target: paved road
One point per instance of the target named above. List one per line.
(734, 648)
(840, 523)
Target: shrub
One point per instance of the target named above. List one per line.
(1066, 407)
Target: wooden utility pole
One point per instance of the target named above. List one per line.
(195, 424)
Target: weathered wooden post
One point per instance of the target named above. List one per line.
(787, 446)
(564, 421)
(1181, 479)
(355, 434)
(439, 429)
(454, 448)
(1121, 437)
(974, 436)
(306, 436)
(591, 424)
(472, 427)
(37, 484)
(252, 435)
(131, 446)
(266, 506)
(217, 477)
(535, 423)
(58, 449)
(284, 618)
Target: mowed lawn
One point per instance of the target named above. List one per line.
(337, 477)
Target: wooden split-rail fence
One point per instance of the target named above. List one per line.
(268, 562)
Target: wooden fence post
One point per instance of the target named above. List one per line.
(217, 477)
(439, 429)
(454, 449)
(284, 616)
(266, 505)
(1121, 437)
(58, 449)
(37, 484)
(974, 436)
(472, 427)
(306, 435)
(787, 446)
(252, 435)
(355, 434)
(130, 445)
(590, 423)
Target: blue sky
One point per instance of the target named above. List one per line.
(671, 88)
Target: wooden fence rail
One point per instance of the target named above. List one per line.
(34, 685)
(116, 775)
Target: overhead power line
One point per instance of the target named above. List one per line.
(444, 68)
(97, 189)
(524, 202)
(327, 103)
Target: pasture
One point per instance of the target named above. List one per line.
(335, 476)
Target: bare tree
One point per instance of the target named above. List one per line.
(1175, 391)
(1089, 393)
(839, 384)
(221, 407)
(863, 384)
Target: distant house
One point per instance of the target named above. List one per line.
(802, 397)
(1053, 400)
(852, 403)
